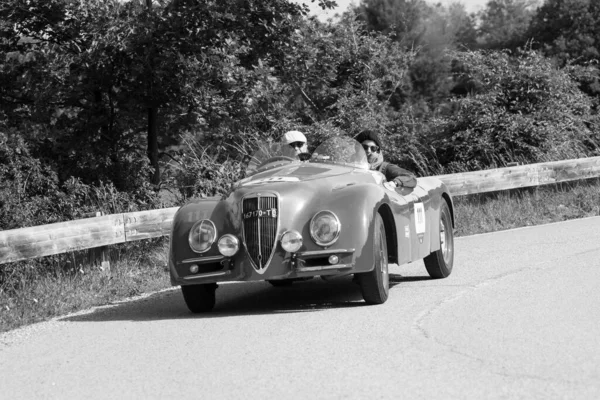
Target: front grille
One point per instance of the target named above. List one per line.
(260, 214)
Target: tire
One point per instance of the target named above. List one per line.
(200, 298)
(439, 263)
(375, 284)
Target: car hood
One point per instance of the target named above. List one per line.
(297, 186)
(298, 172)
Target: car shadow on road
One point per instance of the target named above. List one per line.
(241, 299)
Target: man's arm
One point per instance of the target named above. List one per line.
(400, 176)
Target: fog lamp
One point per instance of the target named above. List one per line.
(333, 260)
(194, 268)
(228, 245)
(291, 241)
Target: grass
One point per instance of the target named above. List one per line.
(490, 212)
(33, 292)
(39, 290)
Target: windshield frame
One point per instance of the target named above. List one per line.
(341, 150)
(336, 150)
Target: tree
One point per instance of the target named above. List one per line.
(503, 23)
(429, 29)
(104, 73)
(521, 108)
(402, 18)
(567, 30)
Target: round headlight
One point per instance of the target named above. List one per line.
(325, 228)
(228, 245)
(202, 235)
(291, 241)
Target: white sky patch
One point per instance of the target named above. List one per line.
(471, 6)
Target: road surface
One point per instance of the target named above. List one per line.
(519, 318)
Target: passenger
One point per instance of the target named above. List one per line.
(395, 176)
(298, 141)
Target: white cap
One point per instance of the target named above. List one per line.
(293, 136)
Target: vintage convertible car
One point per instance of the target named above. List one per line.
(290, 220)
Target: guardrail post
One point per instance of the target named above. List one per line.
(99, 255)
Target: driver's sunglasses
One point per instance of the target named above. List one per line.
(296, 144)
(374, 149)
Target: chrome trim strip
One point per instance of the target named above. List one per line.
(203, 259)
(206, 275)
(323, 252)
(323, 267)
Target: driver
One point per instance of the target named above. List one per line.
(395, 176)
(298, 142)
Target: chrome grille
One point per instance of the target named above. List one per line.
(260, 214)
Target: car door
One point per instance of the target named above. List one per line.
(401, 208)
(419, 202)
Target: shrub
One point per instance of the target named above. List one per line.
(523, 110)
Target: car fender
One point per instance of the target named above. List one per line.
(356, 206)
(185, 218)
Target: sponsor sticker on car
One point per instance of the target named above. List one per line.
(420, 224)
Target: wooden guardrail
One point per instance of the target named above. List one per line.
(491, 180)
(62, 237)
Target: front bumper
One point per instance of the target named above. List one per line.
(286, 266)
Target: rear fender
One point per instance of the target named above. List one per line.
(436, 209)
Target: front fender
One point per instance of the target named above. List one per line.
(356, 206)
(183, 221)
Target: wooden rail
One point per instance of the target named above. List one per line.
(45, 240)
(491, 180)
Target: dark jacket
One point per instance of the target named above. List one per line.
(402, 177)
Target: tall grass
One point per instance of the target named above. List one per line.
(36, 291)
(490, 212)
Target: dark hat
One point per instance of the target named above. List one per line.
(368, 135)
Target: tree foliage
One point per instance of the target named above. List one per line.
(522, 109)
(85, 85)
(568, 30)
(503, 23)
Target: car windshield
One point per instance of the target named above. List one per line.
(340, 150)
(270, 155)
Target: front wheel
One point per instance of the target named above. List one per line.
(200, 298)
(439, 263)
(375, 284)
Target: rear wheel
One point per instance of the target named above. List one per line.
(375, 284)
(200, 298)
(439, 263)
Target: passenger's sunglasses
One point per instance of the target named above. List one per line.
(374, 149)
(296, 144)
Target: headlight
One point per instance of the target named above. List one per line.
(291, 241)
(202, 235)
(325, 228)
(228, 245)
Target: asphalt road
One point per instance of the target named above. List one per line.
(519, 318)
